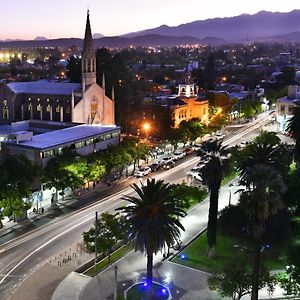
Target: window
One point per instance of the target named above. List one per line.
(5, 111)
(48, 153)
(204, 111)
(29, 106)
(57, 109)
(68, 110)
(291, 110)
(79, 144)
(39, 107)
(115, 134)
(48, 108)
(282, 108)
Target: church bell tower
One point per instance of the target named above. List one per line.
(88, 57)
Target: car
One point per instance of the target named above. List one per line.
(205, 159)
(189, 151)
(142, 172)
(178, 155)
(243, 144)
(154, 167)
(169, 165)
(167, 160)
(195, 170)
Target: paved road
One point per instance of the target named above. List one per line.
(23, 255)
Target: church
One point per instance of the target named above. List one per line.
(80, 103)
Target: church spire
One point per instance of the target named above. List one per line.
(88, 39)
(88, 57)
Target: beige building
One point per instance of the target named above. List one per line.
(187, 105)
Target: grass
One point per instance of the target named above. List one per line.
(138, 292)
(229, 177)
(104, 263)
(196, 254)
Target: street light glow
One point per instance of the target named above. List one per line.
(146, 126)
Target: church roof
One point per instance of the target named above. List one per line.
(53, 139)
(44, 87)
(88, 39)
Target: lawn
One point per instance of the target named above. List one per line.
(228, 248)
(229, 177)
(104, 263)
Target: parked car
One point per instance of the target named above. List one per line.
(189, 151)
(169, 165)
(154, 167)
(167, 160)
(142, 172)
(195, 170)
(178, 155)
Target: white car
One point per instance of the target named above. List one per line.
(194, 171)
(178, 155)
(142, 172)
(167, 160)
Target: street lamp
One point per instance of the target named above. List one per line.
(146, 128)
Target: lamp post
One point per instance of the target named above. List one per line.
(146, 128)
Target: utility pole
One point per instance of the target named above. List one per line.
(116, 283)
(96, 233)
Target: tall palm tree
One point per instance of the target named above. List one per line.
(152, 221)
(294, 129)
(266, 149)
(212, 174)
(261, 200)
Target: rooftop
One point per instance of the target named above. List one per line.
(44, 87)
(65, 136)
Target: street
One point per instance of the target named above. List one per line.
(23, 255)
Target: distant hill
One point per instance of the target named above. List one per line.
(97, 35)
(290, 37)
(117, 42)
(234, 29)
(40, 38)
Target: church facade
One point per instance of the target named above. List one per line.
(84, 103)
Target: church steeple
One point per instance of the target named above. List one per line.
(88, 39)
(88, 57)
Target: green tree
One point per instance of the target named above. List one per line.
(185, 196)
(74, 69)
(16, 180)
(109, 232)
(219, 164)
(152, 221)
(236, 278)
(261, 200)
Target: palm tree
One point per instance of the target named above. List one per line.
(261, 200)
(212, 173)
(266, 149)
(152, 221)
(294, 129)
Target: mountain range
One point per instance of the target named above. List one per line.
(262, 26)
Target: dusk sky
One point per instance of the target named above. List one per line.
(66, 18)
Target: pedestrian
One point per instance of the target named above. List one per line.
(42, 210)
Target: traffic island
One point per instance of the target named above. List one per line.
(139, 291)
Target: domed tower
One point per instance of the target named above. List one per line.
(88, 57)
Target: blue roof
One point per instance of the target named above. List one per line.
(44, 87)
(55, 138)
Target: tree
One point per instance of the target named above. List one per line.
(266, 149)
(212, 173)
(185, 196)
(152, 221)
(109, 232)
(74, 69)
(261, 200)
(235, 280)
(294, 129)
(16, 179)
